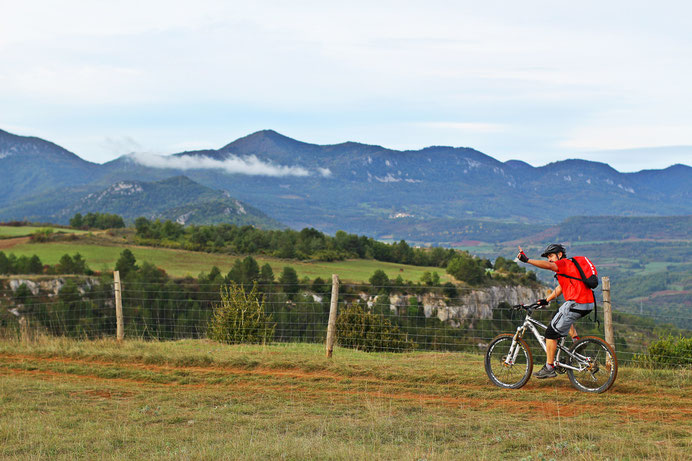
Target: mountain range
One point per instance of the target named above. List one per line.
(437, 194)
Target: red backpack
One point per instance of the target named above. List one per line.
(589, 276)
(588, 272)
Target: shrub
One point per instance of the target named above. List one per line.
(669, 352)
(240, 317)
(328, 255)
(41, 235)
(369, 332)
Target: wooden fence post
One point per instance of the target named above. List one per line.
(24, 329)
(331, 326)
(608, 313)
(120, 329)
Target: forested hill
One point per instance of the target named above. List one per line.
(177, 198)
(596, 228)
(418, 195)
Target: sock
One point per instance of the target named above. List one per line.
(549, 366)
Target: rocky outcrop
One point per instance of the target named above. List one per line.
(470, 304)
(50, 287)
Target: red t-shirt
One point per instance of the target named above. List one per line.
(572, 290)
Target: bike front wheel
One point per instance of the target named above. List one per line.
(598, 362)
(511, 374)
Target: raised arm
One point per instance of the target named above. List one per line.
(536, 262)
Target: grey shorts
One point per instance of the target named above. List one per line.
(569, 313)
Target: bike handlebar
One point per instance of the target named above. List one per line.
(516, 307)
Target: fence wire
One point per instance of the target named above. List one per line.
(377, 318)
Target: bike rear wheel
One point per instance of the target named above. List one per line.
(509, 376)
(601, 366)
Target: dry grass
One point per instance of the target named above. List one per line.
(201, 400)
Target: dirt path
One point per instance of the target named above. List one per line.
(9, 243)
(629, 404)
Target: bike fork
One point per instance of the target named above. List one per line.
(514, 348)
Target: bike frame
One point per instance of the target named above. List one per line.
(532, 325)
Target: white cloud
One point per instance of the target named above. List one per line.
(250, 165)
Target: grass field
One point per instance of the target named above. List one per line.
(64, 399)
(179, 263)
(25, 231)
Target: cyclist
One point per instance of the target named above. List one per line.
(578, 301)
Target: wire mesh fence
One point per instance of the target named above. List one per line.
(373, 318)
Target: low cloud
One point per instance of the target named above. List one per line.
(250, 165)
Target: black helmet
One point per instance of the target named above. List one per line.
(554, 248)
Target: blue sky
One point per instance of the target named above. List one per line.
(538, 81)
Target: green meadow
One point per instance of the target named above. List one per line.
(180, 263)
(25, 231)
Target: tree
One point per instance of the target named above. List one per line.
(22, 294)
(426, 278)
(450, 290)
(289, 281)
(143, 226)
(320, 286)
(66, 265)
(22, 265)
(379, 280)
(150, 274)
(5, 266)
(77, 221)
(507, 265)
(251, 269)
(402, 252)
(286, 246)
(35, 265)
(266, 274)
(467, 269)
(126, 263)
(244, 271)
(80, 265)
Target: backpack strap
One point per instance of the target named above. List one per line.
(583, 280)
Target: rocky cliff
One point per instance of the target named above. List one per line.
(470, 304)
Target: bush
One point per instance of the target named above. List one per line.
(669, 352)
(240, 317)
(41, 235)
(368, 332)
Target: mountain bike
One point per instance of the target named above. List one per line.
(590, 363)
